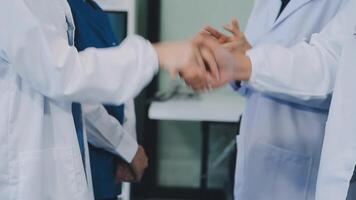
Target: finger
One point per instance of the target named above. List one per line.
(204, 32)
(210, 62)
(216, 85)
(119, 175)
(231, 46)
(198, 59)
(218, 35)
(233, 27)
(124, 174)
(199, 88)
(223, 39)
(196, 82)
(202, 36)
(209, 43)
(232, 30)
(213, 32)
(193, 79)
(235, 24)
(202, 70)
(129, 178)
(189, 74)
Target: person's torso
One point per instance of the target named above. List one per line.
(38, 147)
(93, 30)
(282, 137)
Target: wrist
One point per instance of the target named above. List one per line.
(243, 68)
(159, 51)
(172, 55)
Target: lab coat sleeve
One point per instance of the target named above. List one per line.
(305, 71)
(106, 132)
(39, 53)
(130, 118)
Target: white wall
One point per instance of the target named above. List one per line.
(184, 18)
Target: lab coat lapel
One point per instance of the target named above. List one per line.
(292, 7)
(69, 21)
(262, 20)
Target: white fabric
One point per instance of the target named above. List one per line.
(282, 135)
(339, 152)
(130, 118)
(308, 72)
(106, 132)
(40, 76)
(305, 70)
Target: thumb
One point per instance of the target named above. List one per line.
(233, 28)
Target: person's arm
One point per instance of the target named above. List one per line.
(39, 53)
(280, 72)
(105, 131)
(305, 71)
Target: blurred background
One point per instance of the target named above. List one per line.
(189, 138)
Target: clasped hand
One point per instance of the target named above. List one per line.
(209, 60)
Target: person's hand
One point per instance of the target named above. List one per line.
(139, 163)
(232, 66)
(124, 172)
(134, 171)
(236, 43)
(185, 58)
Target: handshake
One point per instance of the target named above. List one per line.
(209, 60)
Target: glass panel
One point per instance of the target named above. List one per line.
(179, 154)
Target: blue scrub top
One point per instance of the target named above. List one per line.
(93, 30)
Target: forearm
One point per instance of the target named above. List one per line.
(37, 50)
(172, 55)
(305, 71)
(105, 131)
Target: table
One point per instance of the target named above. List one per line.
(219, 106)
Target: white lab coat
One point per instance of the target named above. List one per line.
(105, 131)
(308, 72)
(281, 137)
(40, 76)
(339, 151)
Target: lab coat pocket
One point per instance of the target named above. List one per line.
(277, 174)
(47, 175)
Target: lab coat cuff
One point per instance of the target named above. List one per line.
(257, 63)
(235, 86)
(240, 87)
(127, 148)
(148, 58)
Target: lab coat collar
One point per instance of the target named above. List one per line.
(292, 7)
